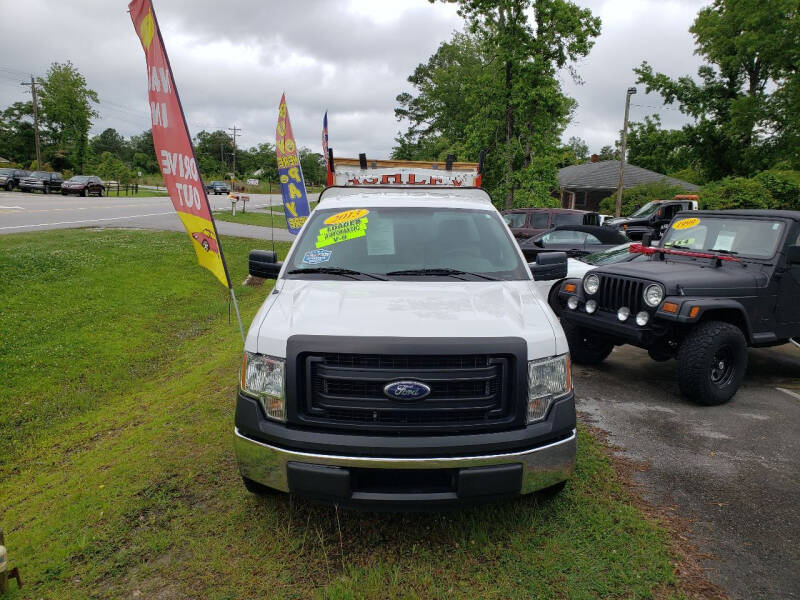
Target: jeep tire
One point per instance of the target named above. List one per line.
(711, 362)
(585, 346)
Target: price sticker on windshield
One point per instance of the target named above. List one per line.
(686, 223)
(346, 216)
(342, 232)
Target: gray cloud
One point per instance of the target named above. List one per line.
(233, 60)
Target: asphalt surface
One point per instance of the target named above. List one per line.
(733, 470)
(20, 212)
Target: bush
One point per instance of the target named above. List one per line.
(639, 195)
(784, 187)
(736, 192)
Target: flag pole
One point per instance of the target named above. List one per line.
(236, 308)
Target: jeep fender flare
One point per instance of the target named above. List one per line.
(717, 309)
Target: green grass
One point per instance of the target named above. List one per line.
(117, 474)
(271, 216)
(141, 193)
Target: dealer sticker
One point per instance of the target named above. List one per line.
(342, 232)
(348, 215)
(686, 223)
(315, 257)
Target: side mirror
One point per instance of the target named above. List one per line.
(549, 266)
(264, 264)
(647, 239)
(794, 255)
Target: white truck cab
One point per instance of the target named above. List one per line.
(404, 358)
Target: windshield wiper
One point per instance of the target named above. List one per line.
(733, 252)
(444, 271)
(336, 271)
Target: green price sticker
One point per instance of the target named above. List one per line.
(341, 232)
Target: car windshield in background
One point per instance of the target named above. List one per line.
(515, 219)
(608, 257)
(753, 238)
(80, 179)
(39, 174)
(6, 171)
(402, 243)
(647, 210)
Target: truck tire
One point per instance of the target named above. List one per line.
(586, 347)
(711, 363)
(256, 488)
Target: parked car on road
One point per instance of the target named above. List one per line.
(83, 185)
(218, 187)
(719, 282)
(9, 178)
(404, 329)
(575, 240)
(44, 181)
(653, 218)
(525, 222)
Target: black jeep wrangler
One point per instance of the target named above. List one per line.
(653, 218)
(720, 281)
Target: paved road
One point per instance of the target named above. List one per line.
(734, 470)
(21, 212)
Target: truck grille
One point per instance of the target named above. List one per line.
(346, 391)
(617, 291)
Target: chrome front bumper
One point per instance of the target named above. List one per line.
(542, 466)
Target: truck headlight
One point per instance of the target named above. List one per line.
(548, 380)
(653, 295)
(262, 378)
(591, 284)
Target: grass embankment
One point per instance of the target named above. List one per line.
(117, 477)
(270, 216)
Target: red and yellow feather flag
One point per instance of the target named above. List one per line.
(173, 146)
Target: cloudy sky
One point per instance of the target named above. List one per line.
(232, 60)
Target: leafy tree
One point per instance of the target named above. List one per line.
(109, 141)
(496, 88)
(608, 153)
(745, 92)
(67, 114)
(143, 153)
(313, 166)
(16, 133)
(111, 168)
(736, 192)
(660, 150)
(214, 152)
(784, 187)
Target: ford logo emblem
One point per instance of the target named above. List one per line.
(406, 390)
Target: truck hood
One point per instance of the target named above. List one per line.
(406, 309)
(694, 277)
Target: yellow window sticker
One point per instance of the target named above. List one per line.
(686, 223)
(348, 215)
(342, 232)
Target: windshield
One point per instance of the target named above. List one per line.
(754, 238)
(40, 174)
(608, 257)
(647, 210)
(80, 178)
(515, 219)
(6, 171)
(398, 243)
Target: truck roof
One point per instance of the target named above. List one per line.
(350, 197)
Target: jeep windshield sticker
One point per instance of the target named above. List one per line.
(686, 223)
(348, 215)
(315, 257)
(342, 232)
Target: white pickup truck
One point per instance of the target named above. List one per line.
(404, 359)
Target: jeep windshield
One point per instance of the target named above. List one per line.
(746, 237)
(414, 243)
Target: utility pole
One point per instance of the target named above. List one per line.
(631, 91)
(35, 120)
(236, 131)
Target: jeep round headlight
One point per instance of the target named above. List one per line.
(653, 295)
(262, 378)
(591, 284)
(548, 380)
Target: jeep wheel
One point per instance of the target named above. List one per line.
(256, 488)
(10, 186)
(586, 347)
(711, 363)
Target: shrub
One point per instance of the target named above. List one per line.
(736, 192)
(784, 187)
(639, 195)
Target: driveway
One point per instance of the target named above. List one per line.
(20, 212)
(732, 470)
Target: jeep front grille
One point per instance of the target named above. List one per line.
(615, 292)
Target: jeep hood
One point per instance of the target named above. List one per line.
(693, 277)
(436, 309)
